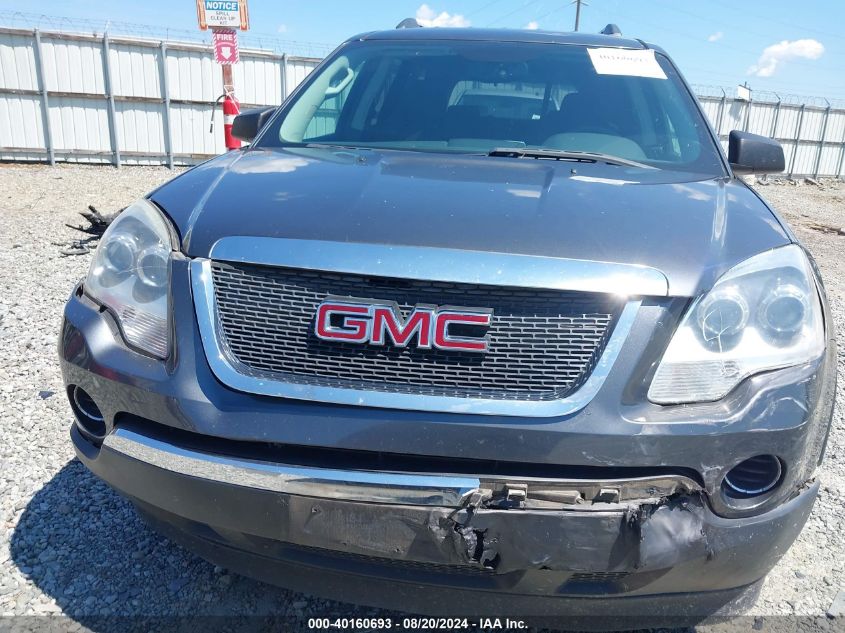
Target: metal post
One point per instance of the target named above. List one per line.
(821, 140)
(110, 97)
(797, 139)
(775, 117)
(45, 100)
(284, 76)
(577, 14)
(165, 93)
(841, 155)
(721, 116)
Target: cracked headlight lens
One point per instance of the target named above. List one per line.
(130, 275)
(763, 314)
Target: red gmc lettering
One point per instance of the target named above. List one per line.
(380, 324)
(443, 340)
(386, 320)
(352, 330)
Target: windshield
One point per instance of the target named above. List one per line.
(474, 97)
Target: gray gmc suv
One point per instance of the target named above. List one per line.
(480, 322)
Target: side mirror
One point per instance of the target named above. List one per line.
(754, 154)
(248, 123)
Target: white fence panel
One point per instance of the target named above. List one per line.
(20, 123)
(829, 160)
(787, 122)
(259, 79)
(811, 129)
(732, 115)
(71, 65)
(835, 127)
(190, 124)
(193, 75)
(140, 129)
(760, 118)
(805, 160)
(17, 62)
(80, 125)
(135, 70)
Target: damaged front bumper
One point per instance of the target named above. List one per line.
(631, 538)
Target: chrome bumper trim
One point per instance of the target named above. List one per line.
(395, 488)
(348, 485)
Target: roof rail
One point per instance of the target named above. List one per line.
(612, 29)
(409, 23)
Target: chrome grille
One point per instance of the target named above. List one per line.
(543, 343)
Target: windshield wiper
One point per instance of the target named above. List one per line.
(329, 146)
(565, 154)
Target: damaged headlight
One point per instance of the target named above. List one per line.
(763, 314)
(130, 275)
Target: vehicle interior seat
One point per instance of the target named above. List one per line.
(592, 120)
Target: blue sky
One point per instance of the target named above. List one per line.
(785, 46)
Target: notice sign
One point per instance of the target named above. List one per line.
(231, 14)
(627, 62)
(225, 46)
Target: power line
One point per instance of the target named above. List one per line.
(481, 8)
(754, 53)
(559, 7)
(714, 20)
(507, 15)
(555, 10)
(762, 16)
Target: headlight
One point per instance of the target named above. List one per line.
(762, 314)
(130, 275)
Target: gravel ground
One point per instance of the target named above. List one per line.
(69, 545)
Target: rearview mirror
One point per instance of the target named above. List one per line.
(249, 122)
(754, 154)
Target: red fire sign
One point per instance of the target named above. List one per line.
(225, 46)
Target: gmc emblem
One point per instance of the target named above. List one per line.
(368, 321)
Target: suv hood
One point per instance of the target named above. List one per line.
(691, 230)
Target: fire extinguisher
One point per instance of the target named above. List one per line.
(231, 109)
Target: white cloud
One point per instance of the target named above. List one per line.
(532, 25)
(783, 51)
(283, 28)
(426, 16)
(715, 37)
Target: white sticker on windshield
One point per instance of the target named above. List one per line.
(621, 61)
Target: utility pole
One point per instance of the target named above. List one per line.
(578, 4)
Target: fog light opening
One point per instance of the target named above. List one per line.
(754, 476)
(88, 414)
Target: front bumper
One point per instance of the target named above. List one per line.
(689, 547)
(416, 542)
